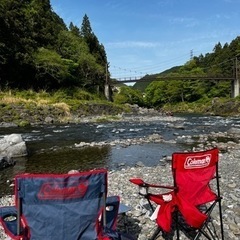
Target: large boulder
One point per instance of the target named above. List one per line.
(11, 146)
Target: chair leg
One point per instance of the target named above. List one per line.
(208, 230)
(124, 216)
(176, 217)
(155, 234)
(221, 218)
(166, 236)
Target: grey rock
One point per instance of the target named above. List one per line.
(5, 162)
(11, 146)
(6, 124)
(49, 120)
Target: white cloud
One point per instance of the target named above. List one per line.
(188, 22)
(133, 44)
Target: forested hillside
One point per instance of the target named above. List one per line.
(222, 62)
(38, 51)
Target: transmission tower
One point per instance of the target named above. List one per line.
(191, 54)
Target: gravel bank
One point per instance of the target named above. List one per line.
(138, 221)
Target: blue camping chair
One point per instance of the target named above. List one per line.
(62, 207)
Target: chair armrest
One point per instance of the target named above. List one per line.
(112, 208)
(141, 183)
(8, 219)
(123, 209)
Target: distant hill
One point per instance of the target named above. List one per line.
(147, 79)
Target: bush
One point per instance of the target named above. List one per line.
(129, 95)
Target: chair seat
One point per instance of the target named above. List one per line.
(123, 209)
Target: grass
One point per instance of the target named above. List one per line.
(26, 107)
(60, 98)
(108, 118)
(23, 107)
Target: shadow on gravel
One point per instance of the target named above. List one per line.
(127, 224)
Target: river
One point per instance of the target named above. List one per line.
(51, 147)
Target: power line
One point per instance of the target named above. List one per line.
(133, 73)
(120, 72)
(219, 64)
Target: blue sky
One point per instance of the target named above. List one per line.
(149, 36)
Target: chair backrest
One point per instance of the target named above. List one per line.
(192, 173)
(61, 206)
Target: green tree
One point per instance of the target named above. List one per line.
(95, 47)
(70, 46)
(43, 23)
(90, 72)
(74, 29)
(25, 26)
(52, 70)
(129, 95)
(155, 94)
(97, 50)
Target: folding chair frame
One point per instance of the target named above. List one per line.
(204, 230)
(210, 235)
(106, 221)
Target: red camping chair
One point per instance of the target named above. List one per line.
(187, 206)
(62, 206)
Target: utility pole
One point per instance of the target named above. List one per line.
(107, 87)
(236, 67)
(106, 70)
(236, 84)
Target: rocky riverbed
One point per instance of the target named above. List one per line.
(138, 221)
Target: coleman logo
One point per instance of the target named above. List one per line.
(197, 161)
(60, 191)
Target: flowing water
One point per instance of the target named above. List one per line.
(51, 148)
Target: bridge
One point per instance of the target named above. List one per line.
(160, 78)
(235, 82)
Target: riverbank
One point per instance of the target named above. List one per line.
(28, 107)
(138, 221)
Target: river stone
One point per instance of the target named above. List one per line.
(11, 146)
(234, 130)
(5, 162)
(48, 120)
(6, 124)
